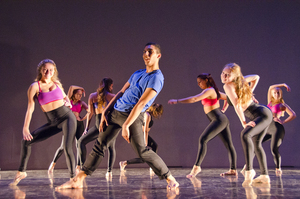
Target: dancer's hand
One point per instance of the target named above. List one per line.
(125, 133)
(255, 100)
(287, 87)
(251, 123)
(103, 122)
(85, 131)
(26, 135)
(277, 120)
(172, 101)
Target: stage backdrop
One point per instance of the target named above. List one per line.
(90, 40)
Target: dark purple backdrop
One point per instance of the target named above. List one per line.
(90, 40)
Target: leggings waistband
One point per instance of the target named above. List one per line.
(56, 114)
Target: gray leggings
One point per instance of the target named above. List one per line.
(252, 137)
(60, 150)
(60, 119)
(275, 133)
(90, 136)
(218, 126)
(116, 120)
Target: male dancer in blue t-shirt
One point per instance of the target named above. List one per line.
(126, 111)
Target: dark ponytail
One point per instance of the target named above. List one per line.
(210, 82)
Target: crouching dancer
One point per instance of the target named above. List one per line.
(126, 111)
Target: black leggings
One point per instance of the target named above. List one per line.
(275, 133)
(91, 135)
(151, 143)
(252, 136)
(60, 150)
(219, 125)
(60, 119)
(116, 120)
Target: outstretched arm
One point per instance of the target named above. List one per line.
(204, 94)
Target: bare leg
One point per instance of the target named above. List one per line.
(19, 176)
(195, 170)
(74, 183)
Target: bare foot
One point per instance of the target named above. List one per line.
(74, 183)
(51, 179)
(249, 175)
(108, 176)
(72, 193)
(196, 182)
(20, 175)
(51, 167)
(243, 170)
(77, 169)
(262, 179)
(194, 172)
(172, 193)
(151, 173)
(122, 165)
(172, 183)
(278, 172)
(123, 178)
(230, 172)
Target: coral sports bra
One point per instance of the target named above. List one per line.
(51, 96)
(209, 102)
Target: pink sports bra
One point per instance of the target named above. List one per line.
(77, 107)
(51, 96)
(275, 109)
(209, 102)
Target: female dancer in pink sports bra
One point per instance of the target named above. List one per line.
(54, 103)
(276, 130)
(75, 94)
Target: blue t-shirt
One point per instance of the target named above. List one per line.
(139, 81)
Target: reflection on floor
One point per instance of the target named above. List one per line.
(137, 183)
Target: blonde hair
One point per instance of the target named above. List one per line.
(280, 100)
(242, 88)
(156, 110)
(40, 67)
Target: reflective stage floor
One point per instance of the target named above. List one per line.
(137, 183)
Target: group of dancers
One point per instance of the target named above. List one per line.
(131, 111)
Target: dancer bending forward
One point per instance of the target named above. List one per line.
(219, 124)
(126, 112)
(240, 93)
